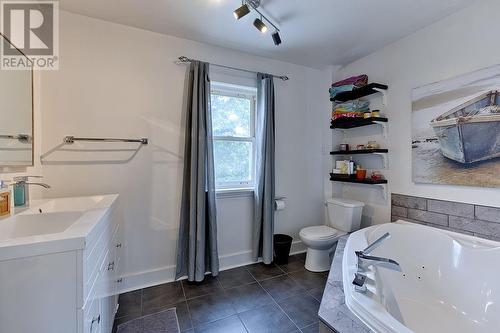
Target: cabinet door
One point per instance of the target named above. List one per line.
(109, 276)
(108, 291)
(93, 318)
(118, 246)
(107, 315)
(38, 294)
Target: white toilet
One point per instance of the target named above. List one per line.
(344, 216)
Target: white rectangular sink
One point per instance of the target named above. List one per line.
(52, 225)
(74, 204)
(24, 225)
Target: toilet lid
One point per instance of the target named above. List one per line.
(321, 232)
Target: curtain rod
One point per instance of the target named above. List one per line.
(186, 60)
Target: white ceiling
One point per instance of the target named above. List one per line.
(314, 33)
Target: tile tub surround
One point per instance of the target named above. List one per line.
(250, 299)
(469, 219)
(333, 313)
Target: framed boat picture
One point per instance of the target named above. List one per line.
(456, 130)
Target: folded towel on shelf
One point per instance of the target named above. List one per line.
(340, 115)
(348, 84)
(356, 105)
(356, 81)
(334, 91)
(353, 109)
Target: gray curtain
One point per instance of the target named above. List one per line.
(263, 228)
(197, 246)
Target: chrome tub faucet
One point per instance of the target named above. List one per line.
(365, 260)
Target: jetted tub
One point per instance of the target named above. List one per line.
(450, 282)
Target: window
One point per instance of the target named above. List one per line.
(233, 124)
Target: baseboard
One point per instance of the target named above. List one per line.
(298, 247)
(245, 258)
(234, 260)
(139, 280)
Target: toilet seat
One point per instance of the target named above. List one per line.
(320, 232)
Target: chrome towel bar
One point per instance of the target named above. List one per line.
(19, 137)
(72, 139)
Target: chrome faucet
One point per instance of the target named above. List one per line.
(21, 184)
(365, 260)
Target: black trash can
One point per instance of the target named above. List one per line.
(282, 245)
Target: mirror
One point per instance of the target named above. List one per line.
(16, 115)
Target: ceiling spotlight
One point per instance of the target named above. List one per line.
(276, 38)
(253, 5)
(261, 26)
(242, 11)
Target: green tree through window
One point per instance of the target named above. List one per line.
(233, 129)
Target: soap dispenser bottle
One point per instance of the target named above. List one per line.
(20, 191)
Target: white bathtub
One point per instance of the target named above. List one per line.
(450, 282)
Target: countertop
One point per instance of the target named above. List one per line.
(92, 210)
(333, 312)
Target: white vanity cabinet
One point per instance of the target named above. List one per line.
(68, 285)
(100, 276)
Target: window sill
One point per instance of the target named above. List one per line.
(234, 193)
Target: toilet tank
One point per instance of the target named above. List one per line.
(344, 214)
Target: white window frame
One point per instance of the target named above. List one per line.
(250, 93)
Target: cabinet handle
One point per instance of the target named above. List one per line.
(111, 266)
(95, 320)
(119, 280)
(119, 245)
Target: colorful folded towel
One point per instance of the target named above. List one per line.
(356, 105)
(351, 109)
(357, 81)
(348, 84)
(334, 91)
(338, 115)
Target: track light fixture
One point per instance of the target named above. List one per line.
(261, 26)
(276, 38)
(244, 9)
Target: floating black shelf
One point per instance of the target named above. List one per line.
(353, 179)
(346, 123)
(359, 151)
(358, 93)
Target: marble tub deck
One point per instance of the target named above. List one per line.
(333, 313)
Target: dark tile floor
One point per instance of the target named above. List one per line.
(252, 299)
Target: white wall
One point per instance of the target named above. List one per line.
(459, 44)
(117, 81)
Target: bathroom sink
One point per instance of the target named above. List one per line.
(24, 225)
(53, 225)
(76, 204)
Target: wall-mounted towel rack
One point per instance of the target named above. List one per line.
(90, 156)
(19, 137)
(72, 139)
